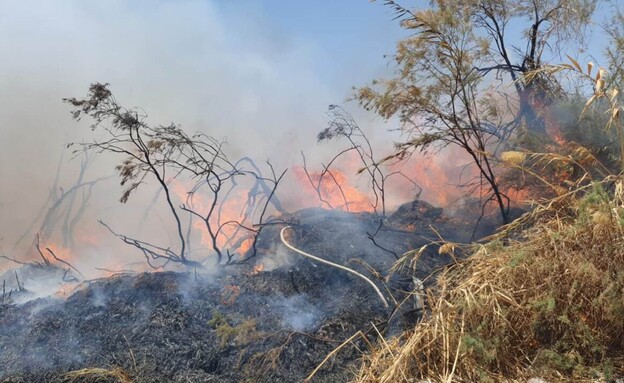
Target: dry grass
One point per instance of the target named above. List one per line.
(549, 304)
(116, 375)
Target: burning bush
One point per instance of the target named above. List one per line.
(549, 304)
(171, 157)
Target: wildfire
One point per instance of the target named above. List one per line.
(245, 246)
(227, 212)
(436, 177)
(335, 190)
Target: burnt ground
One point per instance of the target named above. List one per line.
(230, 326)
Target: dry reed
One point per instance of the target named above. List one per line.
(548, 304)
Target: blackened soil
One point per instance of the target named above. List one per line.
(230, 326)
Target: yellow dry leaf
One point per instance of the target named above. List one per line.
(576, 64)
(599, 85)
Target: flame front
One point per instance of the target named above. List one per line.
(334, 192)
(231, 209)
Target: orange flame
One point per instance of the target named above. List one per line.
(245, 246)
(58, 250)
(257, 269)
(226, 213)
(335, 190)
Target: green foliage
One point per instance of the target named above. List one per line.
(593, 205)
(484, 350)
(546, 305)
(557, 361)
(615, 49)
(218, 319)
(517, 259)
(588, 129)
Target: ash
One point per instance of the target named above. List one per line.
(232, 326)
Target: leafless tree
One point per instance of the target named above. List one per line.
(319, 184)
(65, 206)
(342, 125)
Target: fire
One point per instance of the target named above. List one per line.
(335, 190)
(232, 207)
(245, 246)
(257, 269)
(437, 177)
(441, 182)
(58, 250)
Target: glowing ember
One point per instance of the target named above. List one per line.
(258, 268)
(245, 246)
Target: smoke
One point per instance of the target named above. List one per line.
(279, 257)
(298, 314)
(228, 72)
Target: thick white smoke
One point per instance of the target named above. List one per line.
(228, 71)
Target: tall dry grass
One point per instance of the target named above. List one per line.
(548, 304)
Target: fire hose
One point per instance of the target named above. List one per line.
(348, 270)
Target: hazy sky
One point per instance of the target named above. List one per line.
(262, 67)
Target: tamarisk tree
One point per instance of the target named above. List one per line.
(449, 88)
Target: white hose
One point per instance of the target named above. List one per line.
(291, 247)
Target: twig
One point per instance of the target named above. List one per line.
(152, 252)
(372, 238)
(116, 271)
(334, 352)
(71, 279)
(64, 262)
(19, 286)
(18, 262)
(45, 260)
